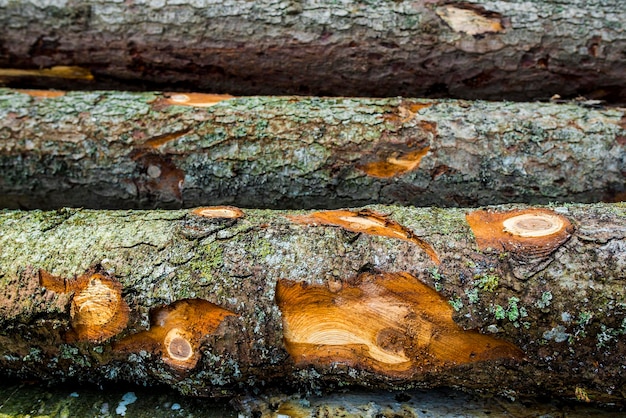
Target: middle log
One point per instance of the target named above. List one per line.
(216, 300)
(111, 150)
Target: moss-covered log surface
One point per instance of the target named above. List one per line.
(116, 150)
(488, 49)
(511, 300)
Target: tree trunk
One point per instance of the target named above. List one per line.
(491, 49)
(213, 301)
(146, 150)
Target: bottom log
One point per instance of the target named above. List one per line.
(217, 301)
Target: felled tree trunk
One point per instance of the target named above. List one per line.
(509, 300)
(493, 49)
(149, 150)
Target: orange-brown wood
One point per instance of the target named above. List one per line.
(42, 94)
(367, 222)
(176, 332)
(97, 310)
(229, 212)
(195, 99)
(394, 165)
(470, 19)
(390, 323)
(157, 141)
(526, 232)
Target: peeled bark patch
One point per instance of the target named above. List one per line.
(176, 332)
(526, 232)
(390, 323)
(97, 311)
(470, 19)
(367, 222)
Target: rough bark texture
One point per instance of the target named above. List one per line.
(140, 402)
(561, 307)
(138, 150)
(490, 49)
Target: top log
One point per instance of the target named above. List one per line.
(490, 49)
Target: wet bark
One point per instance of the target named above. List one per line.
(492, 49)
(143, 150)
(401, 298)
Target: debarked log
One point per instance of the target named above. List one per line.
(511, 299)
(115, 150)
(488, 49)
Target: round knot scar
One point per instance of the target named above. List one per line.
(178, 347)
(96, 304)
(533, 225)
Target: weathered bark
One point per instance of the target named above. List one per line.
(387, 297)
(117, 150)
(140, 402)
(489, 49)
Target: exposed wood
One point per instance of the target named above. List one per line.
(97, 311)
(489, 49)
(221, 305)
(127, 150)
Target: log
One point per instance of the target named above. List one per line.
(513, 300)
(116, 150)
(489, 49)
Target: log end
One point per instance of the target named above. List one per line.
(527, 233)
(389, 323)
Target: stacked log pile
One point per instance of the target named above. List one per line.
(223, 245)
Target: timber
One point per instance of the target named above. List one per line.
(519, 300)
(487, 49)
(120, 150)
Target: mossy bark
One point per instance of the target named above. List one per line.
(489, 49)
(565, 310)
(115, 150)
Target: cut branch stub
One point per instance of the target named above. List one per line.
(176, 332)
(59, 71)
(526, 233)
(367, 222)
(195, 99)
(389, 323)
(97, 311)
(222, 212)
(392, 158)
(394, 165)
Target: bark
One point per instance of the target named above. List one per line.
(144, 150)
(140, 402)
(491, 49)
(216, 302)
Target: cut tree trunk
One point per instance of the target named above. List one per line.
(213, 301)
(490, 49)
(114, 150)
